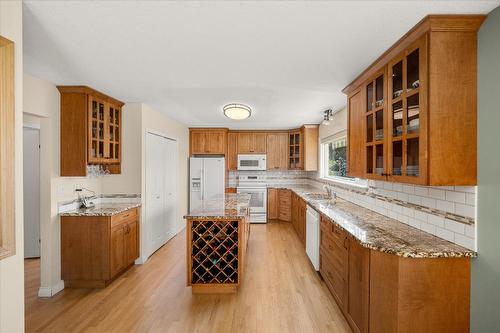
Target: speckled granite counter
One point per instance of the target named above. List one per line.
(108, 209)
(226, 206)
(376, 231)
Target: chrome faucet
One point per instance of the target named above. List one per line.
(331, 194)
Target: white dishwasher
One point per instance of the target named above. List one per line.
(312, 236)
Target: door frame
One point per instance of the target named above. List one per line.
(144, 239)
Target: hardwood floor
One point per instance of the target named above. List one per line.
(281, 293)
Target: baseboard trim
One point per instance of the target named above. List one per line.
(51, 291)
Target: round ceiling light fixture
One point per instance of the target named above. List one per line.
(237, 111)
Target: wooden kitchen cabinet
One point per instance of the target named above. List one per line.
(272, 204)
(385, 293)
(207, 141)
(303, 148)
(285, 205)
(97, 249)
(358, 287)
(90, 131)
(232, 151)
(251, 142)
(412, 113)
(299, 217)
(277, 151)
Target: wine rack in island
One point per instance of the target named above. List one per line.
(216, 254)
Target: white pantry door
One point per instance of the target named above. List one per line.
(161, 190)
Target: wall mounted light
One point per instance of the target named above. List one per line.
(327, 116)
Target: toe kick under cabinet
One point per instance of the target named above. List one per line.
(97, 249)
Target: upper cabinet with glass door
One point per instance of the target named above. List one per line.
(375, 126)
(421, 127)
(407, 108)
(90, 131)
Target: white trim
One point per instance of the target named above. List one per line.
(31, 125)
(355, 182)
(51, 291)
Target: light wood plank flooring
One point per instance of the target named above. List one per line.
(281, 293)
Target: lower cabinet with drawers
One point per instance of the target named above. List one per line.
(383, 292)
(97, 249)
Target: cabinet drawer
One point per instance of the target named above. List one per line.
(335, 282)
(126, 216)
(337, 258)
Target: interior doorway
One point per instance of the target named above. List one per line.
(161, 191)
(31, 184)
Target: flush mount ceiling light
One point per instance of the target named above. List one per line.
(237, 111)
(328, 114)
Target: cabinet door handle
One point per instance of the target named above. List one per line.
(345, 246)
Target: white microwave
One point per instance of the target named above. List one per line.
(252, 162)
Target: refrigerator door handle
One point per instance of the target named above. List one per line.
(202, 180)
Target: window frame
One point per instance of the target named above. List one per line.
(324, 151)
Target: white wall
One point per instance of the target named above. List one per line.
(42, 100)
(12, 268)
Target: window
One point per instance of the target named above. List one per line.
(335, 158)
(334, 162)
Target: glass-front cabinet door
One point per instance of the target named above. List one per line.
(375, 92)
(97, 129)
(407, 119)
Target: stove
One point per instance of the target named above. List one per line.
(255, 185)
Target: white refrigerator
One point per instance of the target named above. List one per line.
(206, 178)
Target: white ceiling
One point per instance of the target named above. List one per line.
(287, 60)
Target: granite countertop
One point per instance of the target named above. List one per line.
(378, 232)
(105, 209)
(226, 206)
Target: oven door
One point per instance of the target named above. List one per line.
(258, 199)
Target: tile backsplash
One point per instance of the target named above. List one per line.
(447, 212)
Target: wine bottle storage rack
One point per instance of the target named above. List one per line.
(214, 252)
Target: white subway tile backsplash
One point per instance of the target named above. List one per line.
(403, 196)
(446, 206)
(465, 241)
(423, 207)
(445, 234)
(436, 220)
(465, 210)
(408, 211)
(427, 227)
(429, 202)
(470, 199)
(470, 231)
(414, 199)
(410, 189)
(454, 226)
(455, 196)
(437, 193)
(414, 223)
(421, 216)
(468, 189)
(421, 191)
(397, 187)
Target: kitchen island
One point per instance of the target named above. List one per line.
(217, 239)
